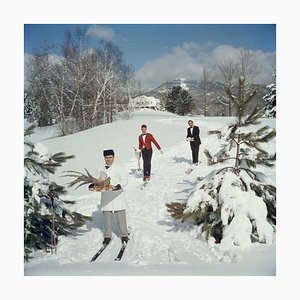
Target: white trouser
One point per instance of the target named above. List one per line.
(121, 218)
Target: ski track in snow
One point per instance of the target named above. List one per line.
(149, 218)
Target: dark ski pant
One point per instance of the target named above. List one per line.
(195, 151)
(121, 218)
(147, 156)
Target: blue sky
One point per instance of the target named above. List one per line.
(146, 45)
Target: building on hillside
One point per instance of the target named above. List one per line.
(141, 102)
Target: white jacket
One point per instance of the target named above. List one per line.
(113, 200)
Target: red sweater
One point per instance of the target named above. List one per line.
(147, 144)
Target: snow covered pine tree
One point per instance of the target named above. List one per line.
(235, 205)
(270, 99)
(45, 215)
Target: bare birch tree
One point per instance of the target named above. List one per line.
(228, 69)
(247, 65)
(38, 86)
(82, 88)
(80, 75)
(207, 78)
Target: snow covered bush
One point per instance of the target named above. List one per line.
(45, 214)
(235, 204)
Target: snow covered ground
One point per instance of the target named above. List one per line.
(158, 244)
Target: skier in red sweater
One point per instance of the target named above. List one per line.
(145, 140)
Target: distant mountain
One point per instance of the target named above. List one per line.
(193, 86)
(215, 92)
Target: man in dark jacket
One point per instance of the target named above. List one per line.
(193, 136)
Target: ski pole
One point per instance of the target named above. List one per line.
(53, 234)
(138, 157)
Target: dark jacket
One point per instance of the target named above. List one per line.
(195, 135)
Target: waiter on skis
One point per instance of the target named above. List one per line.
(193, 136)
(145, 140)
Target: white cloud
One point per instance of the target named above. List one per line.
(186, 61)
(182, 62)
(101, 32)
(266, 64)
(224, 51)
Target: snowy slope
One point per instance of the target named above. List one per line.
(159, 245)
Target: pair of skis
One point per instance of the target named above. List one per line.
(143, 185)
(189, 170)
(119, 256)
(192, 168)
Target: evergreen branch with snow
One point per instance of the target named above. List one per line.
(71, 221)
(59, 158)
(250, 96)
(268, 193)
(260, 159)
(217, 132)
(43, 209)
(231, 96)
(209, 156)
(176, 209)
(200, 214)
(254, 117)
(30, 130)
(251, 174)
(44, 165)
(29, 144)
(218, 158)
(253, 144)
(265, 138)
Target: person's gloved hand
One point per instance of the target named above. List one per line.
(161, 151)
(91, 187)
(190, 139)
(117, 187)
